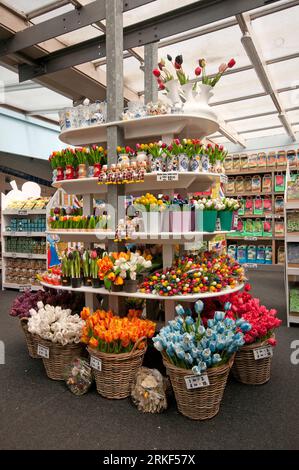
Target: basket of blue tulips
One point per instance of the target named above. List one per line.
(198, 358)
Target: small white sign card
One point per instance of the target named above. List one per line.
(43, 351)
(263, 353)
(171, 176)
(196, 381)
(96, 363)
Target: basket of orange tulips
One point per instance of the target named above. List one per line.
(116, 346)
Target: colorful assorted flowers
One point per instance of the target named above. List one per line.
(188, 344)
(212, 81)
(123, 266)
(208, 272)
(109, 333)
(218, 204)
(55, 324)
(77, 156)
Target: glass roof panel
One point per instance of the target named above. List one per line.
(265, 133)
(133, 76)
(278, 33)
(290, 99)
(245, 107)
(236, 85)
(31, 100)
(7, 76)
(285, 74)
(256, 123)
(208, 46)
(220, 139)
(25, 6)
(293, 115)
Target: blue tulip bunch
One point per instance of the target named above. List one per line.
(189, 345)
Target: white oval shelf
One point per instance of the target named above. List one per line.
(161, 238)
(193, 126)
(177, 298)
(190, 181)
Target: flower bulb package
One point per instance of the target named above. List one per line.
(243, 162)
(258, 206)
(256, 183)
(279, 184)
(267, 183)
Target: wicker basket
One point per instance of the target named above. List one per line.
(31, 339)
(251, 371)
(59, 357)
(118, 371)
(199, 403)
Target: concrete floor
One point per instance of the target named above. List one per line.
(37, 413)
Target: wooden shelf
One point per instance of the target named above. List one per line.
(248, 194)
(255, 171)
(247, 238)
(292, 237)
(161, 238)
(177, 298)
(24, 212)
(24, 234)
(294, 204)
(24, 255)
(12, 285)
(263, 267)
(199, 125)
(189, 181)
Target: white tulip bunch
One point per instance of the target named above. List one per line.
(130, 268)
(209, 204)
(55, 324)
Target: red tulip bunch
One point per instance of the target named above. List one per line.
(263, 321)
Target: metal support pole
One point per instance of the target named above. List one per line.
(115, 104)
(150, 62)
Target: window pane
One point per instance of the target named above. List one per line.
(256, 123)
(245, 108)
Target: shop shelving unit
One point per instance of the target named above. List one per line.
(291, 270)
(185, 183)
(275, 239)
(6, 216)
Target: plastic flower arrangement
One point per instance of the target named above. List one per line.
(263, 321)
(206, 204)
(149, 203)
(187, 344)
(208, 272)
(125, 150)
(111, 334)
(79, 222)
(125, 266)
(55, 324)
(212, 81)
(230, 204)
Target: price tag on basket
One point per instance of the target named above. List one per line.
(250, 238)
(223, 179)
(24, 287)
(13, 255)
(29, 234)
(22, 212)
(30, 255)
(96, 363)
(171, 176)
(196, 381)
(263, 353)
(43, 351)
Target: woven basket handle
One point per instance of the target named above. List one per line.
(24, 320)
(138, 342)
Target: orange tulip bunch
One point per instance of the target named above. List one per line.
(110, 333)
(105, 265)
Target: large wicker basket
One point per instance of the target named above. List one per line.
(118, 371)
(251, 371)
(198, 403)
(31, 339)
(59, 357)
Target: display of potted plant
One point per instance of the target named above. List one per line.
(94, 269)
(69, 157)
(65, 270)
(206, 211)
(87, 279)
(82, 160)
(225, 214)
(151, 209)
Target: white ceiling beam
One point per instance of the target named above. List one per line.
(230, 133)
(47, 9)
(255, 56)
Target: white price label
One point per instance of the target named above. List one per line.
(250, 265)
(96, 363)
(262, 353)
(13, 255)
(29, 234)
(223, 179)
(171, 176)
(196, 381)
(43, 351)
(24, 287)
(30, 255)
(250, 238)
(22, 212)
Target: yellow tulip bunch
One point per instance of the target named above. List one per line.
(150, 202)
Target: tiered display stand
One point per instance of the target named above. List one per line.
(155, 127)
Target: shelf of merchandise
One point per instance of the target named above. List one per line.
(274, 217)
(24, 255)
(188, 181)
(6, 215)
(20, 287)
(142, 128)
(264, 267)
(290, 269)
(160, 238)
(140, 295)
